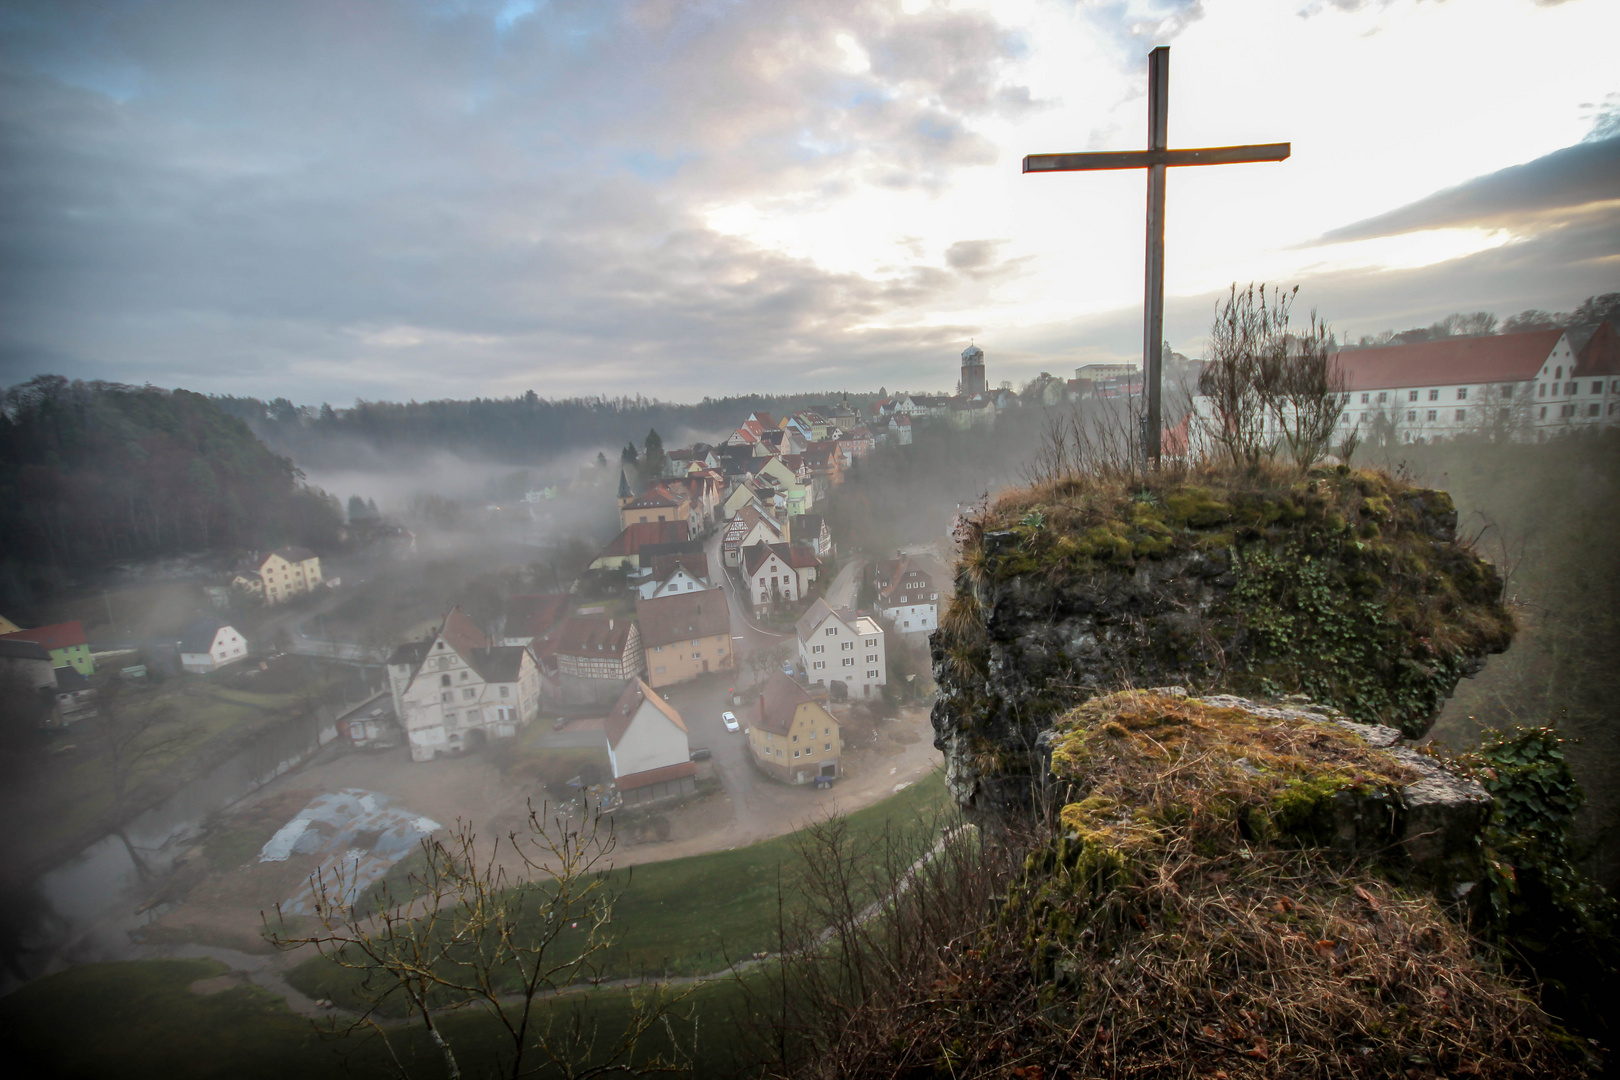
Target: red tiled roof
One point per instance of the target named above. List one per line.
(1601, 354)
(462, 634)
(597, 636)
(531, 616)
(683, 616)
(1450, 361)
(632, 537)
(655, 776)
(695, 563)
(63, 635)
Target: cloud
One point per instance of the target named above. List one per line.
(1574, 177)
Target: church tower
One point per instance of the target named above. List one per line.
(972, 371)
(626, 495)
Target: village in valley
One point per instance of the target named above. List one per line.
(718, 666)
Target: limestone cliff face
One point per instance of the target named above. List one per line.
(1347, 587)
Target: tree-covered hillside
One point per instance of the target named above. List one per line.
(94, 472)
(516, 430)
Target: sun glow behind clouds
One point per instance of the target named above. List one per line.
(1362, 120)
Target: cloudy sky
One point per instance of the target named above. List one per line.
(332, 199)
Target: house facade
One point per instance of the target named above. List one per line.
(908, 594)
(792, 738)
(684, 635)
(648, 747)
(843, 646)
(281, 575)
(66, 642)
(778, 573)
(209, 644)
(457, 690)
(1525, 386)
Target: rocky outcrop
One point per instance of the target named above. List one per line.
(1348, 587)
(1289, 771)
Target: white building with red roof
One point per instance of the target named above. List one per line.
(778, 573)
(1525, 385)
(842, 646)
(458, 689)
(648, 747)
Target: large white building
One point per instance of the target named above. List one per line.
(458, 689)
(1528, 386)
(842, 646)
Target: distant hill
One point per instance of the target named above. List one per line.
(517, 430)
(92, 472)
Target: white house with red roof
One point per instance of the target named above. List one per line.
(458, 689)
(1525, 385)
(648, 747)
(778, 573)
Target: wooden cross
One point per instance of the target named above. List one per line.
(1155, 159)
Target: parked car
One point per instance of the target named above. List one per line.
(787, 667)
(560, 723)
(730, 720)
(701, 753)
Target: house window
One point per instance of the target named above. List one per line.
(764, 596)
(871, 643)
(818, 665)
(847, 646)
(1364, 399)
(1543, 415)
(1507, 389)
(1542, 390)
(444, 680)
(795, 738)
(1411, 414)
(1503, 414)
(1434, 395)
(1566, 410)
(469, 693)
(1462, 393)
(1558, 372)
(506, 691)
(871, 658)
(849, 661)
(1597, 388)
(1382, 397)
(1462, 414)
(831, 631)
(818, 648)
(1571, 388)
(448, 695)
(1411, 395)
(1592, 409)
(449, 717)
(827, 747)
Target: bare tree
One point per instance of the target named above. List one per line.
(1233, 380)
(1306, 390)
(1270, 387)
(471, 933)
(130, 736)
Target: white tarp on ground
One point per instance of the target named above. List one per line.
(359, 835)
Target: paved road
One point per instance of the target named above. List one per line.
(841, 593)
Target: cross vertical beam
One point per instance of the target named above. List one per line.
(1155, 159)
(1153, 314)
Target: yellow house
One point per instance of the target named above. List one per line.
(793, 738)
(288, 572)
(684, 635)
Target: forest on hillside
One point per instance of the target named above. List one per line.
(516, 430)
(98, 472)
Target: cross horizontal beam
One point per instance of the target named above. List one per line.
(1142, 159)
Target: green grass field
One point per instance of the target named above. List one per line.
(73, 791)
(684, 916)
(141, 1021)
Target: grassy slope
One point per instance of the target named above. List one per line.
(148, 1023)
